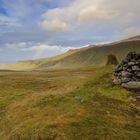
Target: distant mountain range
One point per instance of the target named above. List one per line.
(92, 55)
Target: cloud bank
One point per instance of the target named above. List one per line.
(37, 49)
(50, 27)
(121, 16)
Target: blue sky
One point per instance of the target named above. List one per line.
(31, 29)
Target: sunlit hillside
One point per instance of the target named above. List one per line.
(87, 56)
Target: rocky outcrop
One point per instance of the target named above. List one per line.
(127, 73)
(112, 60)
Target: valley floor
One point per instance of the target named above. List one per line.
(72, 104)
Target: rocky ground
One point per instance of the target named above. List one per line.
(127, 73)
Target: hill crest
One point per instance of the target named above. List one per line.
(91, 55)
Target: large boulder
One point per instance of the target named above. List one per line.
(127, 73)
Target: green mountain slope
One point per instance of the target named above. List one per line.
(93, 55)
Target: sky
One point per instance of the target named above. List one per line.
(31, 29)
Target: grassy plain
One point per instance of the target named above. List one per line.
(72, 104)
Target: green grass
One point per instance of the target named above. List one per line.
(74, 104)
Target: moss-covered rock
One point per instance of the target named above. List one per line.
(112, 60)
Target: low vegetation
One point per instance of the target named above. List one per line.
(72, 104)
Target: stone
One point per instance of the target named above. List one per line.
(117, 81)
(137, 63)
(129, 70)
(125, 68)
(138, 97)
(132, 85)
(138, 74)
(132, 99)
(135, 68)
(125, 79)
(127, 73)
(137, 57)
(135, 79)
(82, 101)
(77, 97)
(131, 63)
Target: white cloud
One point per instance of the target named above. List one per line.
(54, 25)
(94, 12)
(38, 49)
(8, 21)
(80, 11)
(44, 47)
(17, 46)
(130, 32)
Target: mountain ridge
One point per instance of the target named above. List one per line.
(91, 55)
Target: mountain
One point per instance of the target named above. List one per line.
(93, 55)
(133, 38)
